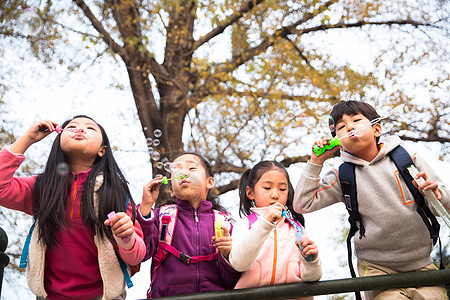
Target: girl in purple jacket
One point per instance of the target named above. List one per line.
(193, 264)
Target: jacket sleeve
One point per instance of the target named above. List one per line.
(248, 242)
(150, 229)
(311, 270)
(228, 274)
(313, 193)
(15, 192)
(423, 166)
(134, 250)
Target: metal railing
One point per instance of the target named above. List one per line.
(294, 290)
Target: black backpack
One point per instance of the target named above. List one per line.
(402, 160)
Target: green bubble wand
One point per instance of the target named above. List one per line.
(165, 180)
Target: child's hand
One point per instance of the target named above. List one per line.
(37, 131)
(273, 212)
(223, 243)
(121, 225)
(149, 196)
(427, 185)
(319, 160)
(309, 248)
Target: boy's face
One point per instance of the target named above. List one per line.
(357, 135)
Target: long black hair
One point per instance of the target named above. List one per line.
(252, 176)
(211, 196)
(52, 188)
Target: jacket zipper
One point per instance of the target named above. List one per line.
(274, 266)
(197, 278)
(74, 195)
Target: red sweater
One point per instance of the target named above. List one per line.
(71, 268)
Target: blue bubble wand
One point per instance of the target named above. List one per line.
(299, 231)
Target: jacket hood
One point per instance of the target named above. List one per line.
(386, 145)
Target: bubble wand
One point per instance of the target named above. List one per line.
(165, 180)
(298, 231)
(430, 196)
(59, 129)
(336, 141)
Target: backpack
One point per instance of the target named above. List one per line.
(123, 265)
(402, 160)
(167, 223)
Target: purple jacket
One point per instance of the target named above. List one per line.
(193, 238)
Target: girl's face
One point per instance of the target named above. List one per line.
(271, 187)
(85, 144)
(195, 184)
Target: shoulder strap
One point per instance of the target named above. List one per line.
(348, 186)
(251, 219)
(123, 265)
(402, 160)
(26, 247)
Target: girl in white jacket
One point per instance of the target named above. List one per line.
(264, 245)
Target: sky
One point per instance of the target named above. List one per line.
(39, 93)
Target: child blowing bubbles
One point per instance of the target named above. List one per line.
(193, 235)
(73, 250)
(267, 250)
(396, 238)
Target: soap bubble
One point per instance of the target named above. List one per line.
(321, 111)
(151, 150)
(62, 169)
(145, 128)
(149, 141)
(168, 166)
(159, 165)
(159, 176)
(156, 156)
(156, 142)
(177, 167)
(157, 132)
(51, 43)
(30, 23)
(164, 160)
(331, 123)
(290, 115)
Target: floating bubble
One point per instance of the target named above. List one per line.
(156, 156)
(164, 160)
(290, 114)
(30, 23)
(156, 142)
(151, 150)
(168, 166)
(302, 115)
(331, 123)
(51, 44)
(62, 169)
(145, 128)
(159, 176)
(149, 141)
(157, 133)
(159, 165)
(321, 111)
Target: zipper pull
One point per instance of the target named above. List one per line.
(195, 216)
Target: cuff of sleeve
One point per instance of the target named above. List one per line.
(127, 245)
(142, 218)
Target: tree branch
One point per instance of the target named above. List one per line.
(229, 21)
(99, 27)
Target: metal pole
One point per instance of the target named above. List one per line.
(293, 290)
(4, 259)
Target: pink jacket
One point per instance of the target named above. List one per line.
(267, 254)
(82, 255)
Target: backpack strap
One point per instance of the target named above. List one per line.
(251, 219)
(402, 160)
(348, 186)
(123, 265)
